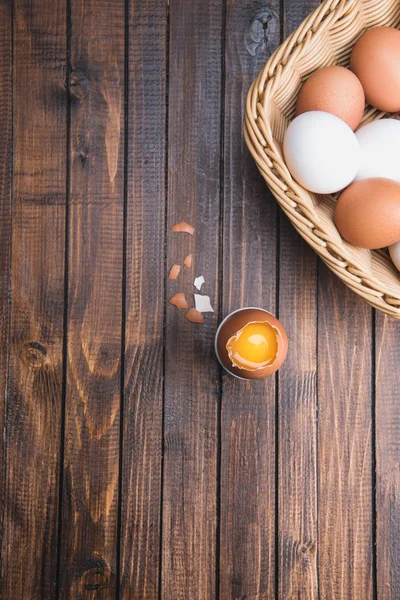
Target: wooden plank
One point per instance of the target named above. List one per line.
(295, 12)
(387, 416)
(34, 398)
(91, 465)
(247, 554)
(297, 454)
(344, 442)
(6, 149)
(142, 436)
(297, 441)
(191, 371)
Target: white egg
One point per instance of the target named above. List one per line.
(380, 150)
(321, 152)
(394, 251)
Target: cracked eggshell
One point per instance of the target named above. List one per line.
(194, 316)
(231, 325)
(174, 272)
(198, 282)
(203, 303)
(179, 300)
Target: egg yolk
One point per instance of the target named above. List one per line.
(253, 347)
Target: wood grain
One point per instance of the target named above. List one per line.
(247, 556)
(344, 442)
(295, 12)
(143, 403)
(297, 454)
(34, 399)
(387, 458)
(6, 150)
(191, 372)
(297, 441)
(200, 481)
(92, 431)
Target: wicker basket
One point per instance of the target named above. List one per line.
(326, 37)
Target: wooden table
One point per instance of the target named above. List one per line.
(132, 468)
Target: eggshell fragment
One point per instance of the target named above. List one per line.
(367, 213)
(188, 261)
(375, 60)
(203, 303)
(194, 316)
(183, 227)
(198, 282)
(334, 90)
(179, 300)
(174, 272)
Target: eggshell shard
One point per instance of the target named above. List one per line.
(183, 227)
(198, 282)
(179, 300)
(188, 261)
(194, 316)
(334, 90)
(230, 327)
(375, 60)
(203, 303)
(174, 272)
(367, 213)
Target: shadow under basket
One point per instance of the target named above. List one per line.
(325, 38)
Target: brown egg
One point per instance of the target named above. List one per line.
(334, 90)
(367, 213)
(376, 62)
(251, 343)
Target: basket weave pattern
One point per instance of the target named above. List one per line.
(325, 38)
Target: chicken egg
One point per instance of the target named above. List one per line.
(321, 151)
(394, 251)
(367, 213)
(380, 149)
(375, 60)
(251, 343)
(334, 90)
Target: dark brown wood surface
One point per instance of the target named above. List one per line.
(387, 444)
(88, 556)
(33, 414)
(132, 468)
(141, 445)
(189, 524)
(297, 410)
(6, 145)
(247, 480)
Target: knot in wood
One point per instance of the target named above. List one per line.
(78, 85)
(263, 32)
(96, 580)
(34, 354)
(83, 150)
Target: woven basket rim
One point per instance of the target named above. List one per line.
(332, 20)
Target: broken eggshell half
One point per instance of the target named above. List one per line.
(232, 325)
